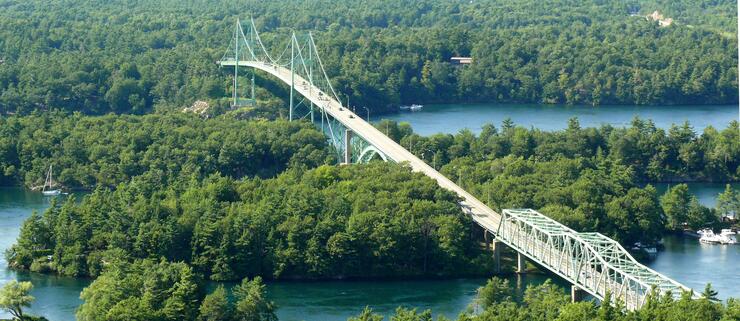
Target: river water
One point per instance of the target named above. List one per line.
(451, 118)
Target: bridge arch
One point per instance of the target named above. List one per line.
(368, 152)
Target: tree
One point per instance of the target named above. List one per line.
(183, 302)
(216, 306)
(709, 293)
(366, 315)
(252, 303)
(15, 296)
(700, 216)
(728, 202)
(675, 203)
(495, 291)
(141, 291)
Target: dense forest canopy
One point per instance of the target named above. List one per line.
(378, 220)
(108, 150)
(133, 56)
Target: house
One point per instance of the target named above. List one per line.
(461, 60)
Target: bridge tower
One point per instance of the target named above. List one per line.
(240, 43)
(306, 77)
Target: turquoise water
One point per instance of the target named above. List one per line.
(451, 118)
(57, 298)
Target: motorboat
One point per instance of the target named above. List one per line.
(727, 236)
(707, 236)
(412, 107)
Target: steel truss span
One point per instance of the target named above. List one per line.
(591, 261)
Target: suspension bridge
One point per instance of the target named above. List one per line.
(592, 262)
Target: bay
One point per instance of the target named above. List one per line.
(451, 118)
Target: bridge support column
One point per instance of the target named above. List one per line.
(521, 265)
(347, 146)
(485, 237)
(576, 293)
(498, 247)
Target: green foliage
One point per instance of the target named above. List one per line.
(251, 301)
(549, 302)
(14, 296)
(144, 290)
(216, 306)
(709, 293)
(728, 202)
(495, 291)
(367, 315)
(676, 202)
(104, 151)
(377, 220)
(97, 58)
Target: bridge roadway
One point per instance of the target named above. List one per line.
(572, 255)
(482, 214)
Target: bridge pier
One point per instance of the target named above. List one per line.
(348, 146)
(485, 237)
(576, 293)
(521, 264)
(498, 247)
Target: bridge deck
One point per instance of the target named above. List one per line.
(581, 258)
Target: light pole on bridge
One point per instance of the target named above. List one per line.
(368, 113)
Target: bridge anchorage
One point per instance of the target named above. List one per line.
(592, 262)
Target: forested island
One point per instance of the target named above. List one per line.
(175, 201)
(137, 56)
(182, 203)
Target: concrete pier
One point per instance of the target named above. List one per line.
(498, 247)
(576, 293)
(521, 265)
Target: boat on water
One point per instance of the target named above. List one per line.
(707, 236)
(726, 236)
(48, 188)
(650, 251)
(412, 107)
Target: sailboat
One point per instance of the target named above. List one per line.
(48, 183)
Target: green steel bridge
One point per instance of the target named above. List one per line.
(592, 262)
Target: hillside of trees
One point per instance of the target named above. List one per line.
(129, 56)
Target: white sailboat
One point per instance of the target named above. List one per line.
(49, 183)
